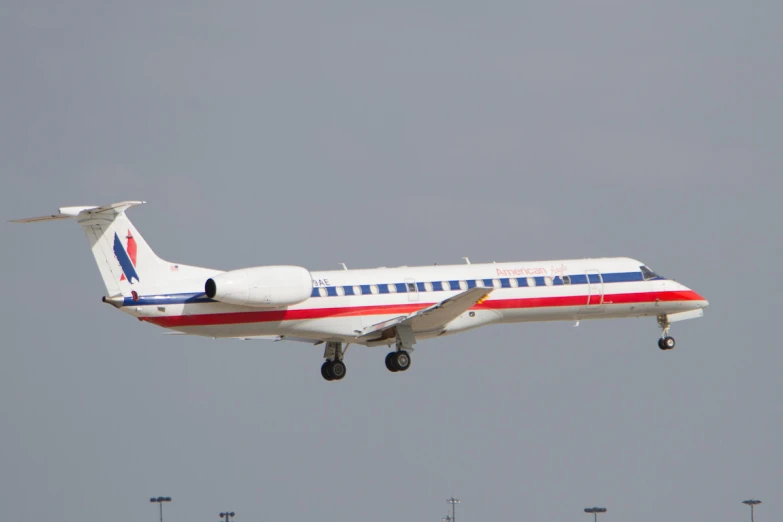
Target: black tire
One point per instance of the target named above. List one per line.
(326, 371)
(337, 370)
(402, 360)
(669, 343)
(660, 344)
(390, 362)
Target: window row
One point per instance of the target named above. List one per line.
(444, 286)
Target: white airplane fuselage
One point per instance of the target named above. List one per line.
(345, 302)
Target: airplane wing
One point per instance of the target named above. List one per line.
(430, 318)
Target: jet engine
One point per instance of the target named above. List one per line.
(262, 286)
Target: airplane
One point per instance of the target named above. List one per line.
(393, 307)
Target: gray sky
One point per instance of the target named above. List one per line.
(315, 133)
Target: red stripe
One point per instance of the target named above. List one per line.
(258, 316)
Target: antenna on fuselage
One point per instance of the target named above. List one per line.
(467, 261)
(344, 267)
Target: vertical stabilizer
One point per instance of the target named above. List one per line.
(127, 264)
(124, 258)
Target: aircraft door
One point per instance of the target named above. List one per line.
(413, 290)
(595, 289)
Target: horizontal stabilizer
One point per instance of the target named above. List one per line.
(41, 218)
(72, 212)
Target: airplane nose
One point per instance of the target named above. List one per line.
(698, 300)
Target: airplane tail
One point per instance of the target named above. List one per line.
(126, 262)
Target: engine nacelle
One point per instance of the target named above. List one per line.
(262, 286)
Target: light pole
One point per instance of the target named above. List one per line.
(227, 515)
(595, 511)
(453, 501)
(160, 501)
(752, 503)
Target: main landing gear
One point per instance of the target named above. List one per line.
(333, 369)
(398, 361)
(665, 342)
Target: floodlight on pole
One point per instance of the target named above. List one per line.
(453, 501)
(752, 503)
(227, 515)
(594, 511)
(159, 501)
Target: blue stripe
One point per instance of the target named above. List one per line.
(200, 297)
(623, 277)
(170, 299)
(125, 262)
(579, 279)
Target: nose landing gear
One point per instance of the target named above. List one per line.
(665, 342)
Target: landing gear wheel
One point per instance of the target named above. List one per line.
(402, 361)
(337, 370)
(667, 343)
(660, 343)
(326, 371)
(390, 362)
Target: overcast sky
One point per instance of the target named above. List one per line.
(315, 133)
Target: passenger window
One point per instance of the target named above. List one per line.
(496, 283)
(428, 287)
(322, 291)
(374, 289)
(357, 290)
(463, 285)
(531, 281)
(392, 289)
(513, 283)
(340, 291)
(411, 287)
(548, 281)
(566, 280)
(446, 286)
(479, 283)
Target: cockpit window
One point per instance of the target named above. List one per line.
(648, 274)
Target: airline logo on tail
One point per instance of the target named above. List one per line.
(127, 258)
